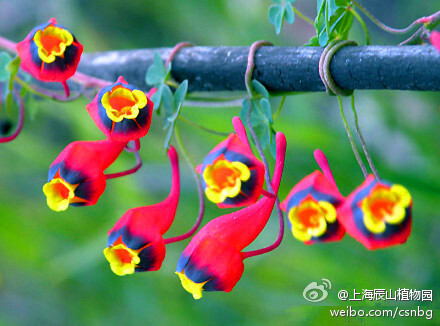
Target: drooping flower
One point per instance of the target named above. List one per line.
(312, 204)
(231, 175)
(135, 243)
(122, 111)
(50, 52)
(76, 177)
(213, 260)
(378, 214)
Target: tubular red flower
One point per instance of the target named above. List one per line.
(122, 111)
(311, 206)
(378, 214)
(231, 175)
(76, 177)
(135, 243)
(213, 260)
(50, 52)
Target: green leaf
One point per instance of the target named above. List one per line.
(180, 93)
(5, 59)
(289, 14)
(314, 41)
(331, 7)
(267, 111)
(156, 72)
(257, 116)
(290, 1)
(260, 89)
(168, 102)
(273, 146)
(157, 99)
(277, 1)
(12, 67)
(276, 15)
(263, 134)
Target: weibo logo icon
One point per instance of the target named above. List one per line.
(317, 293)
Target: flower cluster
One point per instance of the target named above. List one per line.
(377, 213)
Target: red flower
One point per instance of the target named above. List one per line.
(231, 175)
(76, 177)
(312, 204)
(213, 260)
(50, 52)
(135, 243)
(122, 111)
(378, 214)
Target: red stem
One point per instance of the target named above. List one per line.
(137, 146)
(128, 172)
(280, 155)
(66, 89)
(20, 121)
(7, 45)
(198, 221)
(175, 50)
(268, 194)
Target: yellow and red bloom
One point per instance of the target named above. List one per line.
(311, 208)
(378, 214)
(231, 175)
(213, 260)
(76, 177)
(135, 243)
(122, 111)
(50, 52)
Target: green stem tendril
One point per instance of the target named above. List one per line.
(382, 25)
(45, 94)
(361, 139)
(350, 138)
(364, 26)
(211, 131)
(192, 167)
(248, 81)
(280, 107)
(303, 17)
(20, 120)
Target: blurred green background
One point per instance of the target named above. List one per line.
(52, 270)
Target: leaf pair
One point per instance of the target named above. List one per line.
(333, 21)
(157, 76)
(172, 104)
(261, 117)
(280, 11)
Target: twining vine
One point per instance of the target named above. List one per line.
(377, 213)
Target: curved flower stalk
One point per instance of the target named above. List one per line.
(122, 111)
(213, 260)
(135, 243)
(76, 177)
(231, 175)
(50, 53)
(311, 206)
(378, 214)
